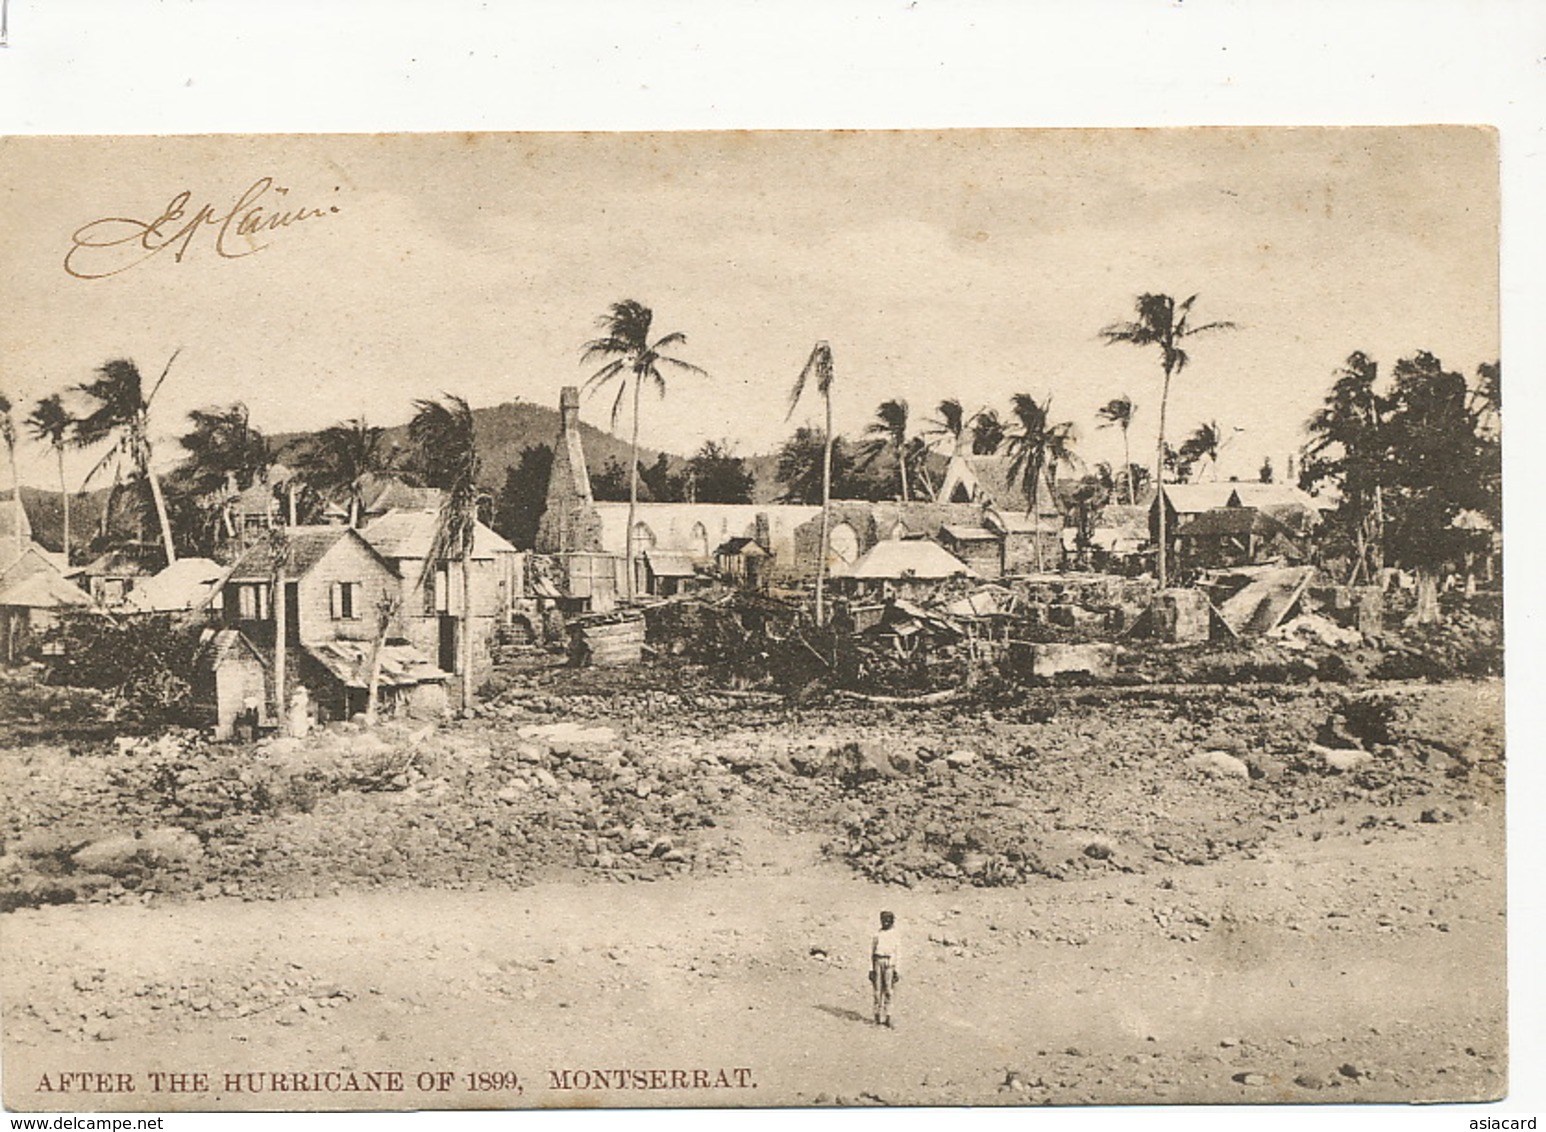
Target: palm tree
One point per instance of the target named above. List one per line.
(446, 439)
(819, 367)
(122, 416)
(626, 342)
(1036, 450)
(949, 427)
(225, 453)
(988, 432)
(888, 432)
(342, 457)
(51, 423)
(1120, 411)
(1165, 323)
(8, 435)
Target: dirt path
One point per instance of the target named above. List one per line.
(1336, 968)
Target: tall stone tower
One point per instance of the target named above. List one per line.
(569, 522)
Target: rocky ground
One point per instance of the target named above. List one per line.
(1189, 893)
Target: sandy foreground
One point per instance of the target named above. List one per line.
(1343, 968)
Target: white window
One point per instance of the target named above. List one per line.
(346, 601)
(252, 601)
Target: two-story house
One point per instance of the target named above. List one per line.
(337, 590)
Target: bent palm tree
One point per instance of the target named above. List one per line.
(888, 432)
(626, 341)
(1036, 450)
(447, 441)
(1120, 411)
(50, 422)
(122, 416)
(819, 367)
(988, 432)
(342, 456)
(1165, 323)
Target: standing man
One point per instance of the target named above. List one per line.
(883, 967)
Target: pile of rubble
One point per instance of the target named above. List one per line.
(987, 792)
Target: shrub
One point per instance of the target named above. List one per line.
(144, 664)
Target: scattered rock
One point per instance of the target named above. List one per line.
(1217, 764)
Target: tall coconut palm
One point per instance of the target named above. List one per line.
(447, 443)
(988, 432)
(632, 358)
(948, 429)
(818, 367)
(1165, 323)
(121, 417)
(51, 423)
(888, 433)
(1119, 411)
(8, 435)
(342, 457)
(1037, 449)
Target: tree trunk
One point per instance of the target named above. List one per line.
(1127, 466)
(1159, 481)
(633, 492)
(158, 498)
(901, 463)
(467, 642)
(20, 516)
(373, 688)
(279, 607)
(1427, 611)
(64, 501)
(826, 522)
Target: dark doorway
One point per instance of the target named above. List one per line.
(447, 659)
(293, 612)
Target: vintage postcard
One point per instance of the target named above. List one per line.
(748, 619)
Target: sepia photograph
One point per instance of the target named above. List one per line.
(967, 617)
(853, 566)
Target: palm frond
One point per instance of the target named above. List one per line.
(603, 375)
(617, 404)
(819, 366)
(685, 367)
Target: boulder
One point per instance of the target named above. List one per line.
(961, 759)
(1342, 760)
(1097, 660)
(1217, 764)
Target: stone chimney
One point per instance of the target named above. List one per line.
(570, 522)
(762, 532)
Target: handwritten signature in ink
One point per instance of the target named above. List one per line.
(114, 244)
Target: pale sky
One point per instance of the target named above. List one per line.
(972, 264)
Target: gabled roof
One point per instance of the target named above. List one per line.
(669, 563)
(32, 580)
(968, 534)
(1195, 498)
(116, 563)
(1270, 495)
(907, 558)
(185, 584)
(741, 545)
(307, 546)
(411, 534)
(383, 493)
(9, 514)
